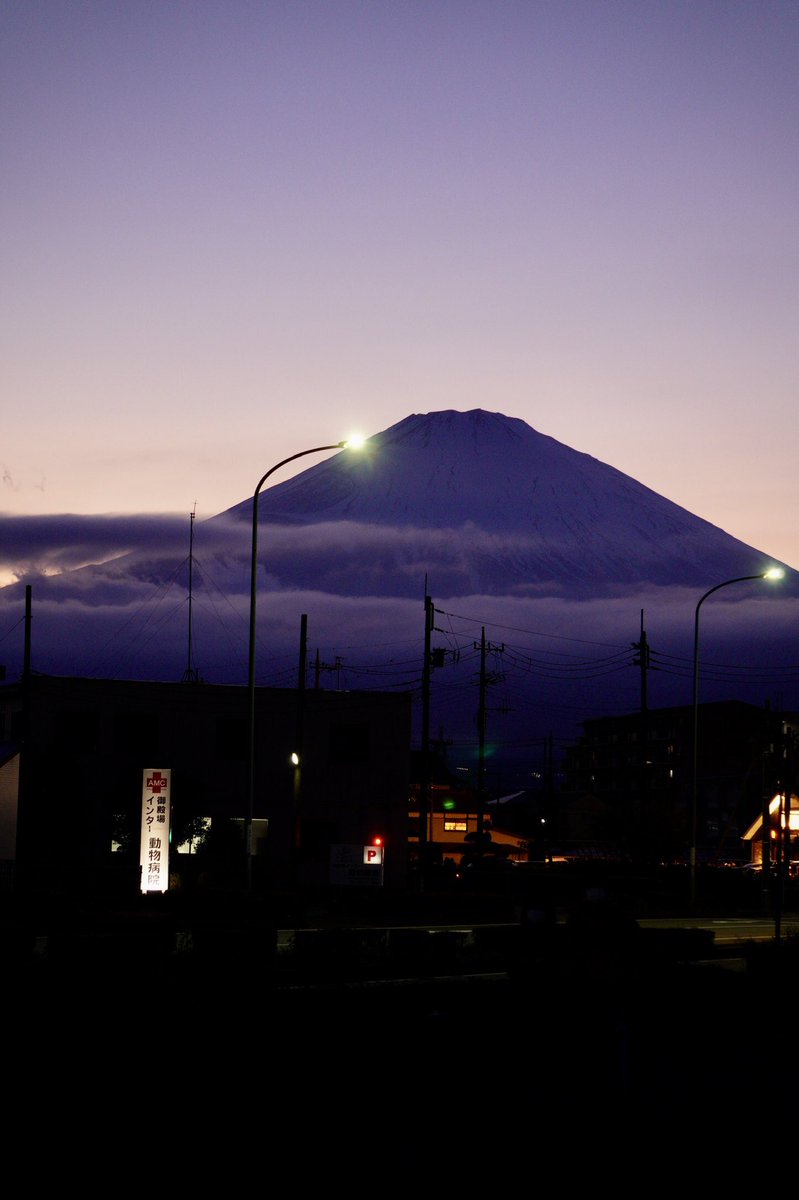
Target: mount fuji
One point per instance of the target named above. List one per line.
(483, 503)
(541, 557)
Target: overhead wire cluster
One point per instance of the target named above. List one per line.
(549, 657)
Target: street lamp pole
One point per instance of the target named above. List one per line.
(772, 573)
(248, 820)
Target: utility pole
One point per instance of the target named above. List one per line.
(642, 661)
(320, 666)
(25, 731)
(483, 647)
(641, 809)
(191, 675)
(766, 778)
(786, 789)
(424, 773)
(552, 826)
(298, 748)
(26, 662)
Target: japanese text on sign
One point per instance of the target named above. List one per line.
(155, 815)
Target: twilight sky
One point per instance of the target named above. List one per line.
(234, 231)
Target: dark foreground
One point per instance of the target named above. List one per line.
(207, 1062)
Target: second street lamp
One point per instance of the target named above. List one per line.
(772, 573)
(353, 442)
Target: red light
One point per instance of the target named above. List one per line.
(378, 841)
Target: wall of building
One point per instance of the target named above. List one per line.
(89, 742)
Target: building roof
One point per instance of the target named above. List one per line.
(774, 809)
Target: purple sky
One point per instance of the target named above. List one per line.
(233, 231)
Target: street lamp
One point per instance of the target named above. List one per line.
(354, 443)
(772, 573)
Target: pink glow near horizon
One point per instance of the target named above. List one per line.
(234, 231)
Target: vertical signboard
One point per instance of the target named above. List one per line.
(154, 853)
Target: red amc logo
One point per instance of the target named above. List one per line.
(156, 782)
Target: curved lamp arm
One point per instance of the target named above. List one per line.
(772, 573)
(354, 442)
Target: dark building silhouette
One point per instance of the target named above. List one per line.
(639, 767)
(73, 752)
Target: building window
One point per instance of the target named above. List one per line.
(455, 827)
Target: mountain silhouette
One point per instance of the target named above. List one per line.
(484, 503)
(553, 557)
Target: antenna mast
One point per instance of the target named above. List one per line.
(190, 675)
